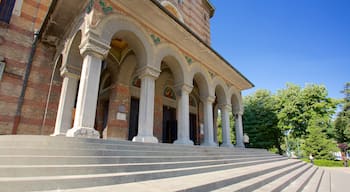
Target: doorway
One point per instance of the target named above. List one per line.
(169, 124)
(194, 134)
(134, 117)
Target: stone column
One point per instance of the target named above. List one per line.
(183, 115)
(93, 52)
(148, 76)
(225, 118)
(66, 103)
(215, 124)
(208, 121)
(239, 129)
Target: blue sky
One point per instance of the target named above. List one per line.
(273, 42)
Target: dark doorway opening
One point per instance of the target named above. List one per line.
(134, 117)
(194, 134)
(169, 124)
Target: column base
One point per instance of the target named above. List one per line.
(145, 139)
(83, 132)
(209, 144)
(240, 145)
(228, 145)
(183, 142)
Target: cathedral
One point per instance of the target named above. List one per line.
(139, 70)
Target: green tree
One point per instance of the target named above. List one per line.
(342, 122)
(260, 120)
(297, 106)
(316, 142)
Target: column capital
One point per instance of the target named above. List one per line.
(240, 112)
(209, 99)
(228, 107)
(148, 71)
(183, 87)
(92, 45)
(67, 72)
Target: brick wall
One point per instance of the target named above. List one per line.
(15, 44)
(196, 16)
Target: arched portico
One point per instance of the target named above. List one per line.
(70, 71)
(168, 58)
(237, 109)
(224, 107)
(201, 82)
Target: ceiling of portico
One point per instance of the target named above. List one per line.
(170, 30)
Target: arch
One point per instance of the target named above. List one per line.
(172, 9)
(118, 26)
(220, 89)
(72, 59)
(201, 76)
(176, 62)
(236, 100)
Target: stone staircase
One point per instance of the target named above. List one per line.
(43, 163)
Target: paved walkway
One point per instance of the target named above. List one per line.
(339, 179)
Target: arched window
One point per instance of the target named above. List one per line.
(172, 9)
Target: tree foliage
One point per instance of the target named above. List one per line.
(297, 106)
(297, 110)
(342, 122)
(316, 142)
(260, 120)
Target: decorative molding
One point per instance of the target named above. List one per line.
(189, 60)
(89, 6)
(92, 45)
(148, 71)
(209, 99)
(183, 88)
(212, 74)
(105, 8)
(68, 72)
(228, 107)
(156, 39)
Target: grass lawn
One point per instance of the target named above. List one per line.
(325, 163)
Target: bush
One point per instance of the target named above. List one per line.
(326, 163)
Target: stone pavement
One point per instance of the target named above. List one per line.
(339, 179)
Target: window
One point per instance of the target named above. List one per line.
(6, 7)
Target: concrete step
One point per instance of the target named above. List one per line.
(299, 183)
(280, 183)
(118, 152)
(82, 169)
(74, 160)
(78, 181)
(33, 141)
(256, 182)
(314, 182)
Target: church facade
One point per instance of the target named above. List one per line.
(140, 70)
